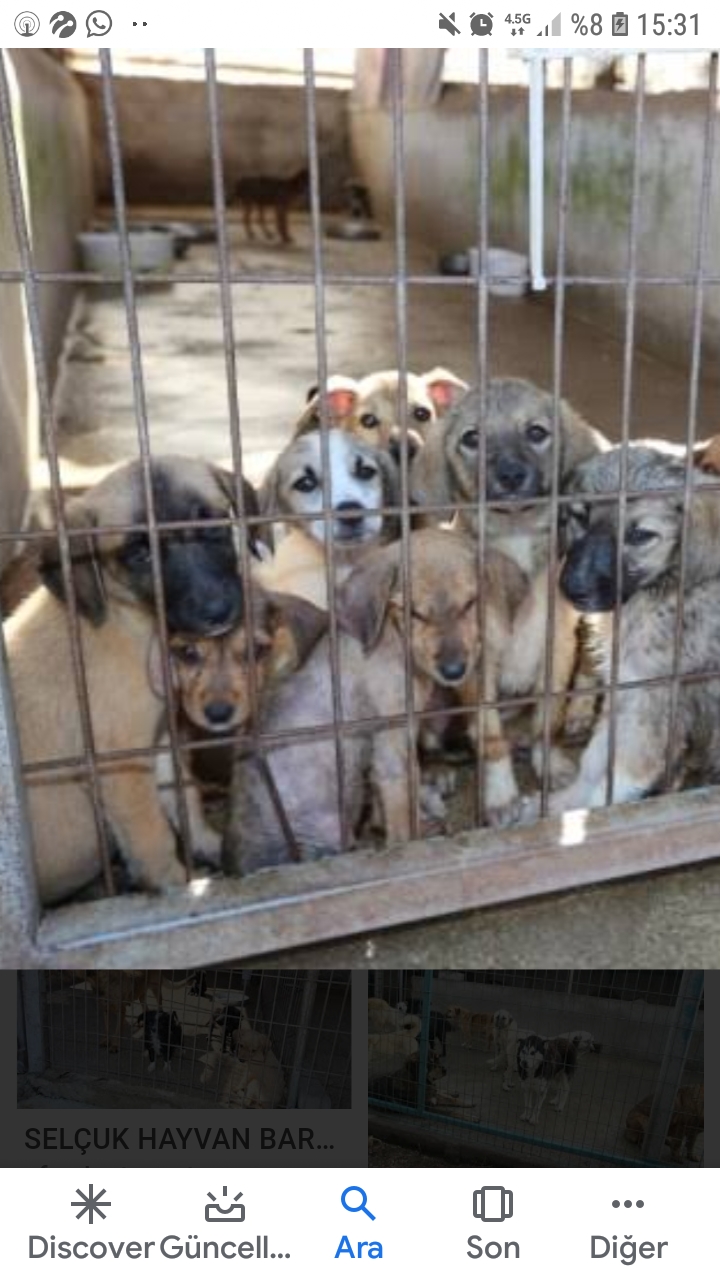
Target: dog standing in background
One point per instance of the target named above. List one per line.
(259, 194)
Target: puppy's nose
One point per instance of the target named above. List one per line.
(511, 474)
(452, 671)
(349, 514)
(219, 713)
(395, 446)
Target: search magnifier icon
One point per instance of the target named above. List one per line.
(356, 1208)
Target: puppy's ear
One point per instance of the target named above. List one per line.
(707, 456)
(580, 441)
(444, 388)
(259, 536)
(363, 599)
(88, 582)
(341, 396)
(155, 670)
(295, 625)
(703, 537)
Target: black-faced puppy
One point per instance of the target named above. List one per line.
(112, 576)
(521, 442)
(212, 683)
(646, 588)
(162, 1035)
(369, 407)
(361, 481)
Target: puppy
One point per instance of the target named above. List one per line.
(370, 407)
(112, 575)
(520, 446)
(162, 1035)
(438, 1027)
(253, 1079)
(382, 1017)
(118, 988)
(472, 1025)
(362, 481)
(391, 1051)
(538, 1062)
(445, 652)
(212, 682)
(647, 590)
(582, 1041)
(686, 1124)
(226, 1025)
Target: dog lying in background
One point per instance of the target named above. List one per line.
(258, 194)
(114, 592)
(647, 591)
(520, 444)
(362, 481)
(479, 1026)
(212, 681)
(540, 1061)
(369, 407)
(686, 1124)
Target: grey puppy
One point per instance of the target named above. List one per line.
(647, 589)
(521, 442)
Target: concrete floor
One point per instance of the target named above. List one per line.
(184, 367)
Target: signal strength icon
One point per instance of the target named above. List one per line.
(552, 28)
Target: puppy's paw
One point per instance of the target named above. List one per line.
(562, 768)
(580, 718)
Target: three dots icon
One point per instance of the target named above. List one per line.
(628, 1204)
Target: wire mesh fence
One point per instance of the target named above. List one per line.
(85, 801)
(541, 1067)
(234, 1038)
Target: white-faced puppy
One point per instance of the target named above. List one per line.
(521, 443)
(114, 592)
(361, 481)
(369, 407)
(646, 589)
(540, 1061)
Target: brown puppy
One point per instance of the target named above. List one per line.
(369, 407)
(686, 1124)
(445, 652)
(257, 194)
(212, 681)
(113, 581)
(517, 424)
(472, 1025)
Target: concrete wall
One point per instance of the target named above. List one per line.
(52, 128)
(166, 137)
(442, 153)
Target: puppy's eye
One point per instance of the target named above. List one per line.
(470, 439)
(364, 471)
(261, 647)
(537, 433)
(636, 536)
(306, 483)
(471, 604)
(188, 654)
(421, 414)
(369, 420)
(136, 552)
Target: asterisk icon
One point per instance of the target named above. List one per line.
(91, 1204)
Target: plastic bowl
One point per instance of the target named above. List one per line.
(149, 251)
(514, 267)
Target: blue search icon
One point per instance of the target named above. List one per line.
(356, 1208)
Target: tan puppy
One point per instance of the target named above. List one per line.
(517, 425)
(113, 581)
(369, 408)
(472, 1026)
(686, 1124)
(212, 682)
(255, 1080)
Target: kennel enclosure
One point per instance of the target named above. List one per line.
(296, 906)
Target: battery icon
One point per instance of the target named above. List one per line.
(619, 24)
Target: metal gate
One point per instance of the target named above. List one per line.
(303, 904)
(634, 1092)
